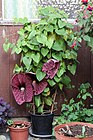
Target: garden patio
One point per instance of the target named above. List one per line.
(46, 69)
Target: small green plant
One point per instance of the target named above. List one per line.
(10, 122)
(77, 110)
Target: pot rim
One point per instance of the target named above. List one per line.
(45, 114)
(20, 122)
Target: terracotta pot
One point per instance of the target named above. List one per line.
(63, 137)
(19, 133)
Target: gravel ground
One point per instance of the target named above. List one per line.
(5, 136)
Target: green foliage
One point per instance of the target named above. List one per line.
(77, 110)
(85, 22)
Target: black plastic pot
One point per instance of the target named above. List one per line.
(42, 125)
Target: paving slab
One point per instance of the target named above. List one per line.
(5, 136)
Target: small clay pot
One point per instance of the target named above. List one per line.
(63, 137)
(19, 133)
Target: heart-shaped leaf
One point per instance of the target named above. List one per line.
(72, 68)
(40, 75)
(44, 51)
(36, 57)
(27, 62)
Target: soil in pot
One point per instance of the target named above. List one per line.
(74, 131)
(19, 130)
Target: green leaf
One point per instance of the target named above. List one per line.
(34, 41)
(25, 49)
(40, 75)
(21, 32)
(59, 45)
(44, 51)
(72, 68)
(61, 32)
(57, 56)
(91, 42)
(69, 25)
(79, 39)
(66, 80)
(54, 16)
(86, 95)
(42, 39)
(61, 70)
(32, 34)
(42, 22)
(46, 89)
(70, 54)
(28, 28)
(50, 41)
(7, 46)
(10, 122)
(48, 101)
(37, 100)
(46, 93)
(17, 50)
(49, 28)
(40, 109)
(17, 69)
(27, 62)
(61, 24)
(51, 83)
(36, 57)
(21, 20)
(56, 79)
(86, 38)
(60, 86)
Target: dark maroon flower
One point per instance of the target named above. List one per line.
(38, 87)
(50, 68)
(22, 88)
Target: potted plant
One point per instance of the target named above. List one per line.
(76, 118)
(18, 129)
(48, 52)
(74, 131)
(6, 112)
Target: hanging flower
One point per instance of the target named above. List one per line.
(22, 88)
(50, 68)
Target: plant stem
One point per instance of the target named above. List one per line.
(52, 107)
